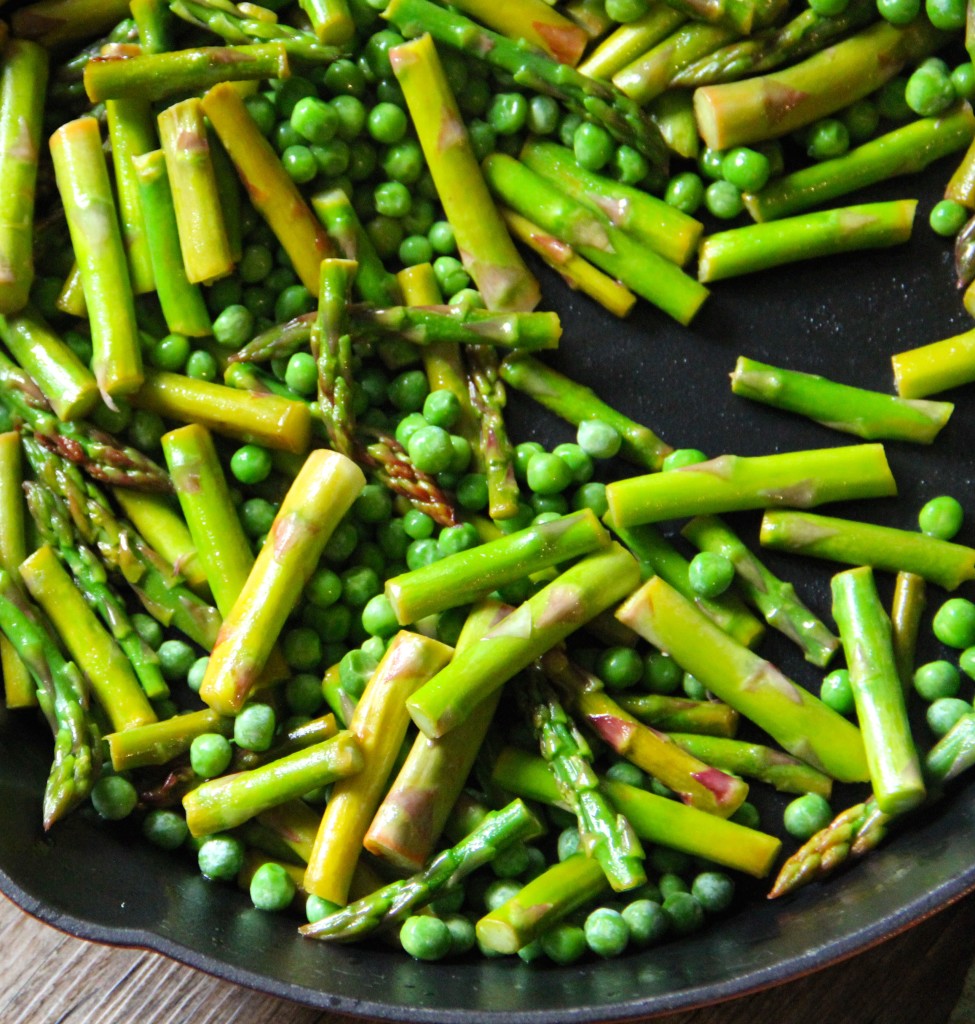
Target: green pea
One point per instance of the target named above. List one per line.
(943, 714)
(303, 693)
(899, 12)
(450, 274)
(547, 473)
(723, 200)
(262, 110)
(941, 517)
(272, 888)
(114, 797)
(746, 169)
(710, 574)
(837, 693)
(210, 755)
(661, 674)
(300, 163)
(646, 921)
(165, 829)
(929, 91)
(254, 727)
(862, 119)
(221, 857)
(543, 115)
(963, 79)
(954, 623)
(507, 113)
(149, 630)
(827, 139)
(387, 123)
(171, 352)
(256, 516)
(685, 192)
(403, 162)
(598, 439)
(251, 464)
(317, 908)
(628, 166)
(302, 648)
(947, 15)
(937, 679)
(564, 943)
(684, 913)
(176, 658)
(425, 937)
(593, 146)
(714, 890)
(592, 496)
(681, 457)
(302, 373)
(620, 668)
(607, 934)
(807, 815)
(472, 492)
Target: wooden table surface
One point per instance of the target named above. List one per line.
(46, 977)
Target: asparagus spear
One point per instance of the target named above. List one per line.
(237, 25)
(731, 483)
(905, 150)
(649, 74)
(124, 552)
(105, 666)
(935, 367)
(157, 76)
(131, 133)
(79, 166)
(806, 236)
(680, 714)
(895, 771)
(577, 273)
(867, 414)
(882, 547)
(415, 810)
(740, 113)
(495, 450)
(182, 302)
(61, 376)
(673, 114)
(157, 518)
(379, 725)
(397, 900)
(861, 828)
(907, 607)
(774, 598)
(597, 101)
(57, 23)
(229, 801)
(658, 556)
(756, 761)
(667, 230)
(655, 819)
(270, 188)
(373, 281)
(696, 783)
(485, 246)
(23, 81)
(19, 690)
(277, 342)
(274, 422)
(577, 403)
(100, 455)
(467, 576)
(321, 494)
(581, 592)
(53, 524)
(428, 325)
(631, 40)
(533, 21)
(330, 20)
(153, 20)
(161, 742)
(640, 268)
(199, 217)
(606, 837)
(542, 902)
(804, 34)
(219, 539)
(62, 697)
(797, 720)
(331, 338)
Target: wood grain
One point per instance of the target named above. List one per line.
(50, 978)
